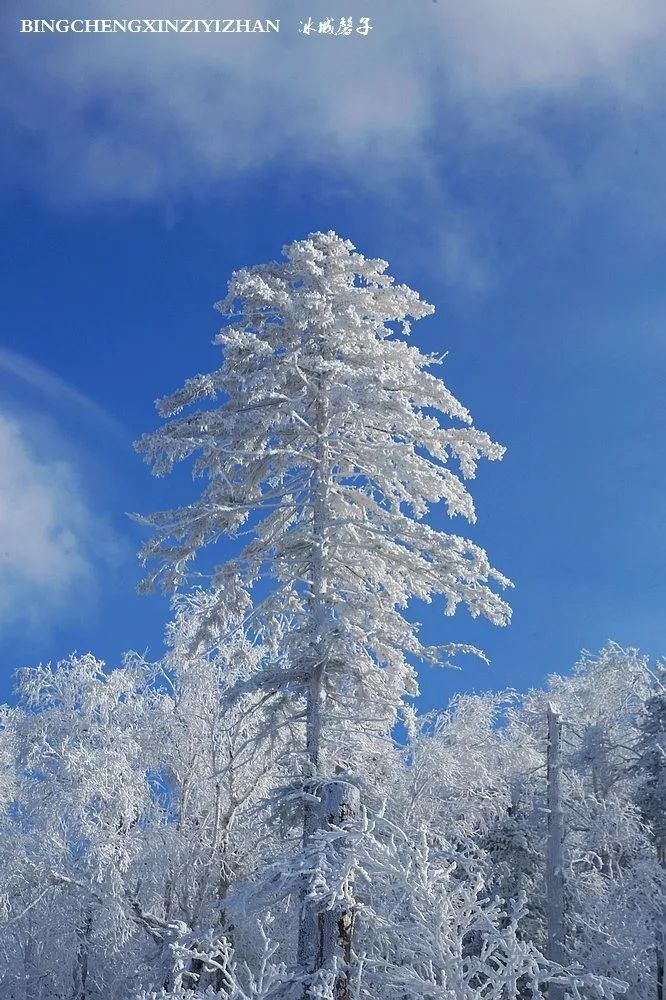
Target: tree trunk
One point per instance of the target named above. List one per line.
(340, 803)
(307, 931)
(554, 851)
(82, 959)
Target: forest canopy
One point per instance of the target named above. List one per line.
(265, 812)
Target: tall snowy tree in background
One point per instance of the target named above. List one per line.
(331, 442)
(612, 881)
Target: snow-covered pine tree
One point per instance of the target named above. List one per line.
(329, 441)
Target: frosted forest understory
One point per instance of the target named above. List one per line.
(263, 813)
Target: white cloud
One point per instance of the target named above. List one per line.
(510, 45)
(543, 103)
(143, 116)
(50, 539)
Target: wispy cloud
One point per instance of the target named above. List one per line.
(51, 541)
(55, 542)
(55, 389)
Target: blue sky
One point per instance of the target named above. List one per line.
(507, 158)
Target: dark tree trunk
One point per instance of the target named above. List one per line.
(340, 804)
(80, 991)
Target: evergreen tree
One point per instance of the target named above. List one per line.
(330, 442)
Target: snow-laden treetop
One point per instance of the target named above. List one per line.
(329, 442)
